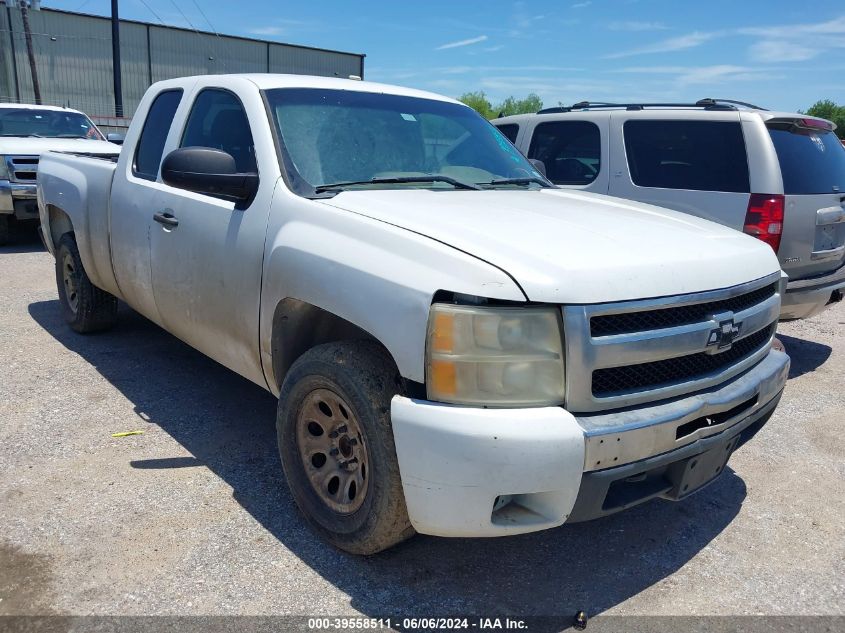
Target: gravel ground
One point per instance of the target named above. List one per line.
(193, 516)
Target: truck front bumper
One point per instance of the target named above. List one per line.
(805, 298)
(493, 472)
(18, 199)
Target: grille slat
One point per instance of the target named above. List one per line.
(22, 168)
(646, 376)
(608, 324)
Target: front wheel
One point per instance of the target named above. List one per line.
(4, 230)
(336, 445)
(85, 307)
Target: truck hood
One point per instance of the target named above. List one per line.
(32, 146)
(574, 247)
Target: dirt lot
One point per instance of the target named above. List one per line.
(193, 516)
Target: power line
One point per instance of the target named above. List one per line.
(191, 24)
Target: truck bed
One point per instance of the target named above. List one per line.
(75, 187)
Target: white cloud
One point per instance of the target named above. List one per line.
(581, 5)
(680, 43)
(696, 75)
(781, 51)
(795, 42)
(268, 30)
(637, 26)
(831, 27)
(458, 44)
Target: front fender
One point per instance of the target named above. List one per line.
(375, 275)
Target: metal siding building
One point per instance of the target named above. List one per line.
(73, 55)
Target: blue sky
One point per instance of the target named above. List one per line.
(781, 55)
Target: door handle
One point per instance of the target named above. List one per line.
(166, 219)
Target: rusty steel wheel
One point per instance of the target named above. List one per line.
(69, 278)
(85, 307)
(336, 445)
(333, 450)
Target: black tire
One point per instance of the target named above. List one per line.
(4, 229)
(85, 307)
(364, 377)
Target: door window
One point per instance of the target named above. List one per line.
(570, 150)
(154, 134)
(218, 120)
(696, 155)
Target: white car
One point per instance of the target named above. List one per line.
(779, 176)
(459, 348)
(26, 132)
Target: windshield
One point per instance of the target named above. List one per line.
(352, 139)
(811, 161)
(47, 124)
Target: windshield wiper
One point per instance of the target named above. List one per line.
(516, 181)
(338, 186)
(23, 135)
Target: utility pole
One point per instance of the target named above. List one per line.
(36, 88)
(115, 55)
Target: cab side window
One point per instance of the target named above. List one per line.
(570, 150)
(154, 134)
(218, 120)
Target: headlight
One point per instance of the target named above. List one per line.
(494, 356)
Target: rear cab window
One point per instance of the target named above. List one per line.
(570, 151)
(154, 134)
(812, 161)
(692, 155)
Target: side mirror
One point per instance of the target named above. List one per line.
(114, 137)
(539, 166)
(209, 171)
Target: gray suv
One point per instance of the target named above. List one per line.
(778, 176)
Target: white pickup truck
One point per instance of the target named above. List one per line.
(26, 132)
(459, 348)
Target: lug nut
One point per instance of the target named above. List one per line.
(338, 431)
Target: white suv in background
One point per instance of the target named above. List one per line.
(778, 176)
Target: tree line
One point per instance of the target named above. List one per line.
(825, 108)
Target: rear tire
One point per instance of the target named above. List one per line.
(337, 449)
(85, 307)
(4, 230)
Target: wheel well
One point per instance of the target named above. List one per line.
(59, 223)
(298, 326)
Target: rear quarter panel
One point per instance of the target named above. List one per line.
(79, 187)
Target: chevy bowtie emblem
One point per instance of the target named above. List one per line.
(723, 336)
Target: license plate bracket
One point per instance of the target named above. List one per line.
(692, 473)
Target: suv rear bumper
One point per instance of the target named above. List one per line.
(493, 472)
(805, 298)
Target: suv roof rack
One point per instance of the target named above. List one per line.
(707, 103)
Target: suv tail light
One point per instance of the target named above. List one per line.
(764, 219)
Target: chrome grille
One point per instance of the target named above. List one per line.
(614, 380)
(670, 317)
(22, 169)
(633, 352)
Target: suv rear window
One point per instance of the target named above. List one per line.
(697, 155)
(811, 161)
(570, 151)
